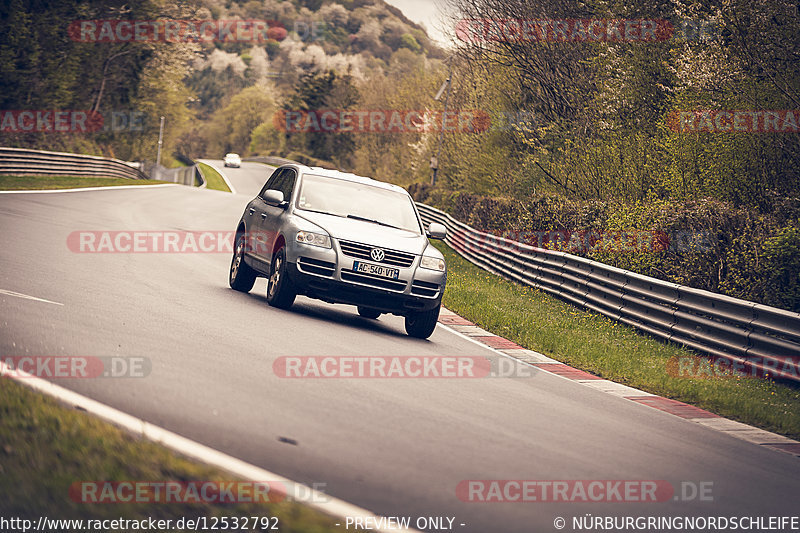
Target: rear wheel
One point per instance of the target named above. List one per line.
(280, 292)
(241, 276)
(422, 324)
(366, 312)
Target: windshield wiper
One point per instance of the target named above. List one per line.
(356, 217)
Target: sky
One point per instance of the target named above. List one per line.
(427, 13)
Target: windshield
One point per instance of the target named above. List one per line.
(358, 201)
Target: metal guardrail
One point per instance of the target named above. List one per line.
(190, 176)
(750, 334)
(40, 162)
(22, 161)
(187, 175)
(201, 178)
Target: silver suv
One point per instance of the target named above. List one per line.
(341, 238)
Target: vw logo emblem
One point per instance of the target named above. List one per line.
(377, 254)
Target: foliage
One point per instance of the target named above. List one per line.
(708, 244)
(44, 69)
(316, 92)
(231, 127)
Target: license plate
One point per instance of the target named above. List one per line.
(376, 270)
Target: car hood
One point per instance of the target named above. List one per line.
(348, 229)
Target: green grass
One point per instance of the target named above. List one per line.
(213, 178)
(45, 448)
(609, 349)
(23, 183)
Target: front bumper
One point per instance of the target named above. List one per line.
(327, 274)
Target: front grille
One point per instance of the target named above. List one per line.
(315, 266)
(373, 281)
(362, 251)
(424, 288)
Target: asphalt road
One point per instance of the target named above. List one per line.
(246, 180)
(397, 447)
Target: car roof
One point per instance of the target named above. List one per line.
(347, 176)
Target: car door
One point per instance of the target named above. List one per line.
(273, 217)
(259, 245)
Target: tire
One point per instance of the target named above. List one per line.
(366, 312)
(241, 277)
(280, 292)
(422, 324)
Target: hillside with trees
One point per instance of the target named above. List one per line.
(197, 84)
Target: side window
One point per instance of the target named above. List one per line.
(273, 181)
(287, 184)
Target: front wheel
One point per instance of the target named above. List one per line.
(422, 324)
(241, 276)
(366, 312)
(280, 292)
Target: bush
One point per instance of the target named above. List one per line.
(408, 41)
(707, 243)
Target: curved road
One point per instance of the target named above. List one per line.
(246, 180)
(396, 447)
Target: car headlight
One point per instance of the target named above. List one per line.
(314, 239)
(432, 263)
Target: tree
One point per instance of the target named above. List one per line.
(232, 126)
(316, 92)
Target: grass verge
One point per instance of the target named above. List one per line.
(45, 448)
(609, 349)
(213, 178)
(24, 183)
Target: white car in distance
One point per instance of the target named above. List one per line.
(233, 160)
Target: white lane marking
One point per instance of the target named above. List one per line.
(295, 491)
(81, 189)
(27, 297)
(210, 163)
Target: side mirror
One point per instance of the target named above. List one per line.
(273, 197)
(437, 231)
